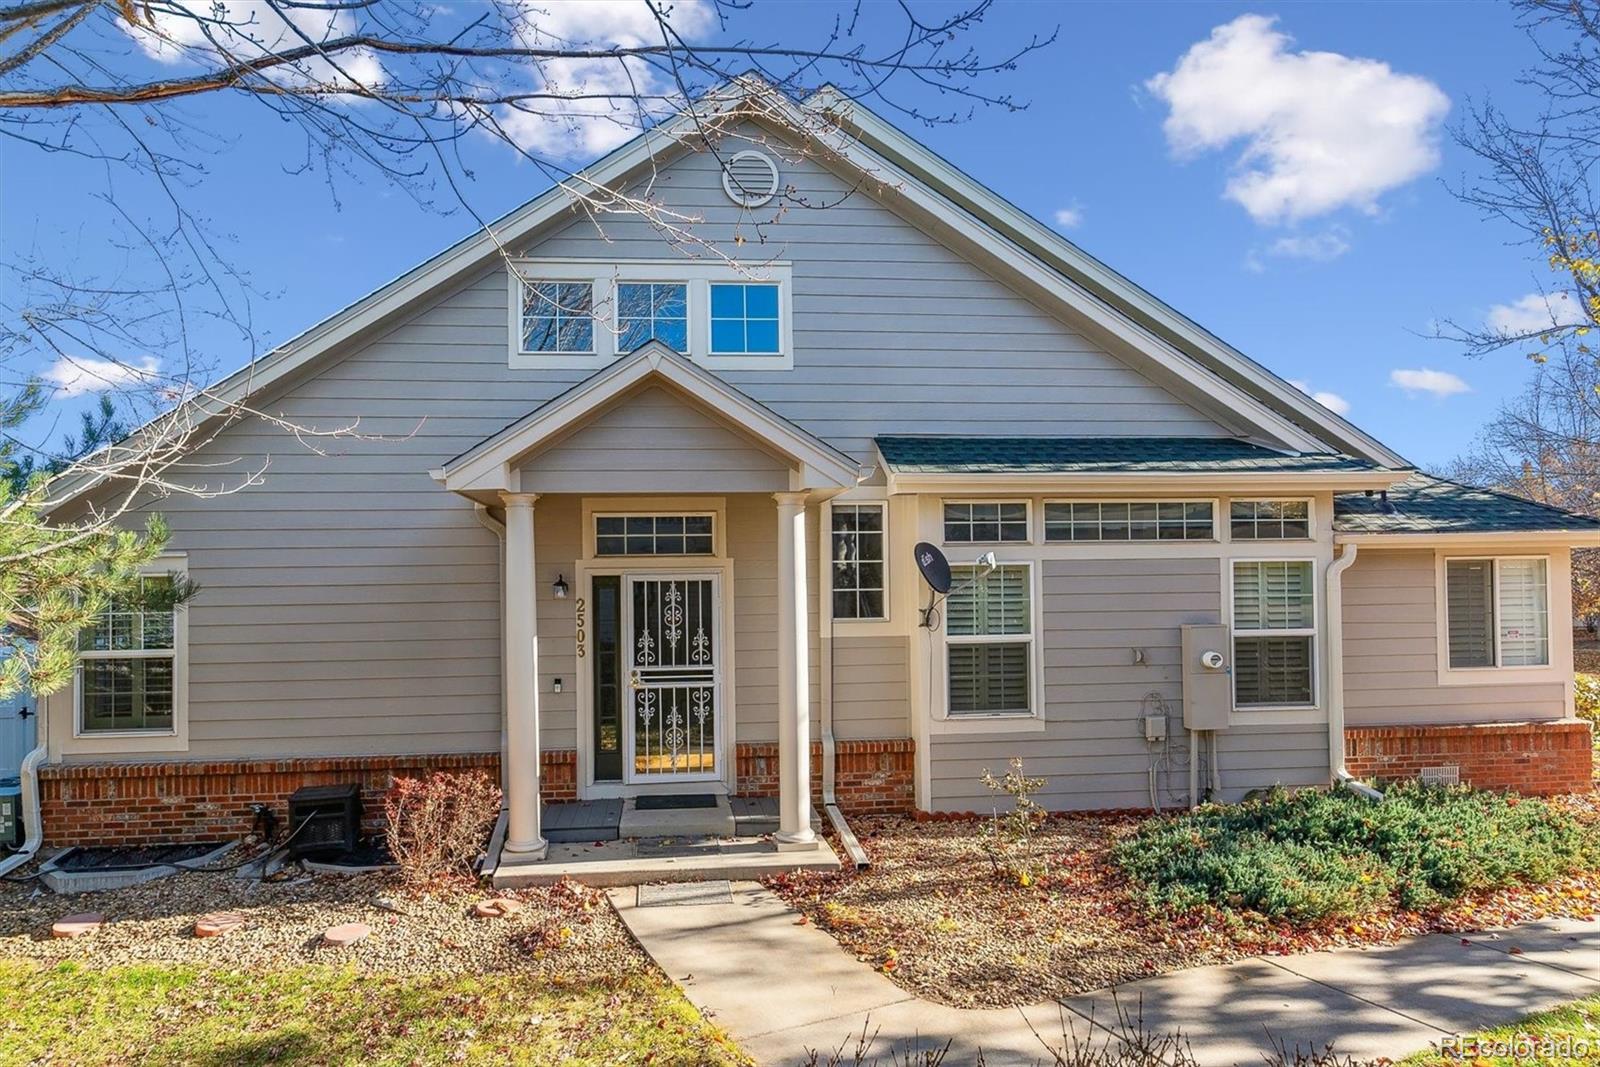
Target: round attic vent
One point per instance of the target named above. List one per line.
(750, 178)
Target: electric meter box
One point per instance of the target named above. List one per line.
(1207, 677)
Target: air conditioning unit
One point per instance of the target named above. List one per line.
(10, 815)
(324, 820)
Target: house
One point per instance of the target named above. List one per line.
(637, 516)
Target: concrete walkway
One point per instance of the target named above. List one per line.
(780, 989)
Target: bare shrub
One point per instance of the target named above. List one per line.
(1008, 835)
(440, 824)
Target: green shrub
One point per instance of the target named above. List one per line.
(1311, 855)
(1587, 696)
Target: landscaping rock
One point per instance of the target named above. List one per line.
(345, 935)
(76, 925)
(497, 908)
(217, 923)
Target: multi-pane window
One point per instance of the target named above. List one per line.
(1274, 632)
(985, 523)
(557, 316)
(1497, 612)
(858, 561)
(1137, 520)
(989, 641)
(1269, 520)
(744, 319)
(652, 535)
(127, 664)
(652, 311)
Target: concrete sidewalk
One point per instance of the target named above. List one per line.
(780, 989)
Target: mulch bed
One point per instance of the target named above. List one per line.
(932, 915)
(561, 931)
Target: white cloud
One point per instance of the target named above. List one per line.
(77, 377)
(1322, 247)
(1321, 130)
(1533, 313)
(243, 29)
(1070, 216)
(1332, 401)
(1439, 383)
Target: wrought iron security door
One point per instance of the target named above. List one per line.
(674, 679)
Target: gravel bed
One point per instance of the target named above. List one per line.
(561, 930)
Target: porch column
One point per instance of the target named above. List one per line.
(522, 682)
(794, 669)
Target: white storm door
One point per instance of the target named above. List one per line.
(673, 628)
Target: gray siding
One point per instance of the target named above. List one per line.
(1092, 752)
(1391, 652)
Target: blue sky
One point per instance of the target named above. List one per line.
(1331, 275)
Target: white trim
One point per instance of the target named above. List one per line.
(1312, 529)
(868, 623)
(1503, 674)
(596, 506)
(1314, 632)
(1216, 511)
(134, 742)
(1027, 518)
(994, 722)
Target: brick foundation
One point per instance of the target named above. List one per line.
(871, 778)
(1538, 758)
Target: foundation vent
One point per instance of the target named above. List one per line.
(1448, 775)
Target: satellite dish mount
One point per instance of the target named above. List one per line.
(935, 570)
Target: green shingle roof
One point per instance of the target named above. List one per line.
(1425, 504)
(1109, 455)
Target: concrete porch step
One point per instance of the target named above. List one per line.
(677, 822)
(663, 859)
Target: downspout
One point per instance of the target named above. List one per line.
(830, 802)
(1334, 586)
(498, 528)
(32, 810)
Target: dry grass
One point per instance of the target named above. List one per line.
(932, 914)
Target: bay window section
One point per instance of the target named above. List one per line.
(1274, 633)
(1497, 613)
(989, 641)
(127, 675)
(858, 561)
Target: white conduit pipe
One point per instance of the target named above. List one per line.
(32, 811)
(1334, 586)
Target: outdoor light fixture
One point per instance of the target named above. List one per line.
(560, 588)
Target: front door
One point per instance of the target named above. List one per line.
(673, 627)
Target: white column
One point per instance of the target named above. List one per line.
(794, 669)
(522, 683)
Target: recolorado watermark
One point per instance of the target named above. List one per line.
(1521, 1047)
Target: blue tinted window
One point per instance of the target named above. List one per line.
(558, 317)
(652, 311)
(744, 319)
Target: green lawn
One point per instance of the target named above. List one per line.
(1560, 1038)
(171, 1014)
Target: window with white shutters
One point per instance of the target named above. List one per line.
(1497, 612)
(989, 641)
(1274, 633)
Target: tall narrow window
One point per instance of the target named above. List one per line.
(989, 641)
(1497, 613)
(127, 678)
(1274, 632)
(744, 319)
(652, 311)
(558, 317)
(858, 561)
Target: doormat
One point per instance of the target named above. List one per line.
(673, 801)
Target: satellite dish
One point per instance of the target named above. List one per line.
(934, 567)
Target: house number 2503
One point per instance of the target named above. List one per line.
(580, 606)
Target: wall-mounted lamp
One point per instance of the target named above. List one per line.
(559, 588)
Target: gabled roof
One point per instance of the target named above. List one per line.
(489, 466)
(1423, 504)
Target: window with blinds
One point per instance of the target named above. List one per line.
(1497, 613)
(989, 641)
(1274, 633)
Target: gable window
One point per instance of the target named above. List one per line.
(1274, 632)
(653, 535)
(1136, 520)
(985, 522)
(744, 319)
(558, 317)
(989, 641)
(1497, 612)
(858, 561)
(652, 311)
(129, 678)
(1269, 520)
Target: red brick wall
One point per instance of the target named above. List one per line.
(141, 803)
(1539, 758)
(871, 777)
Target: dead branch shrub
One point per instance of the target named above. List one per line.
(440, 824)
